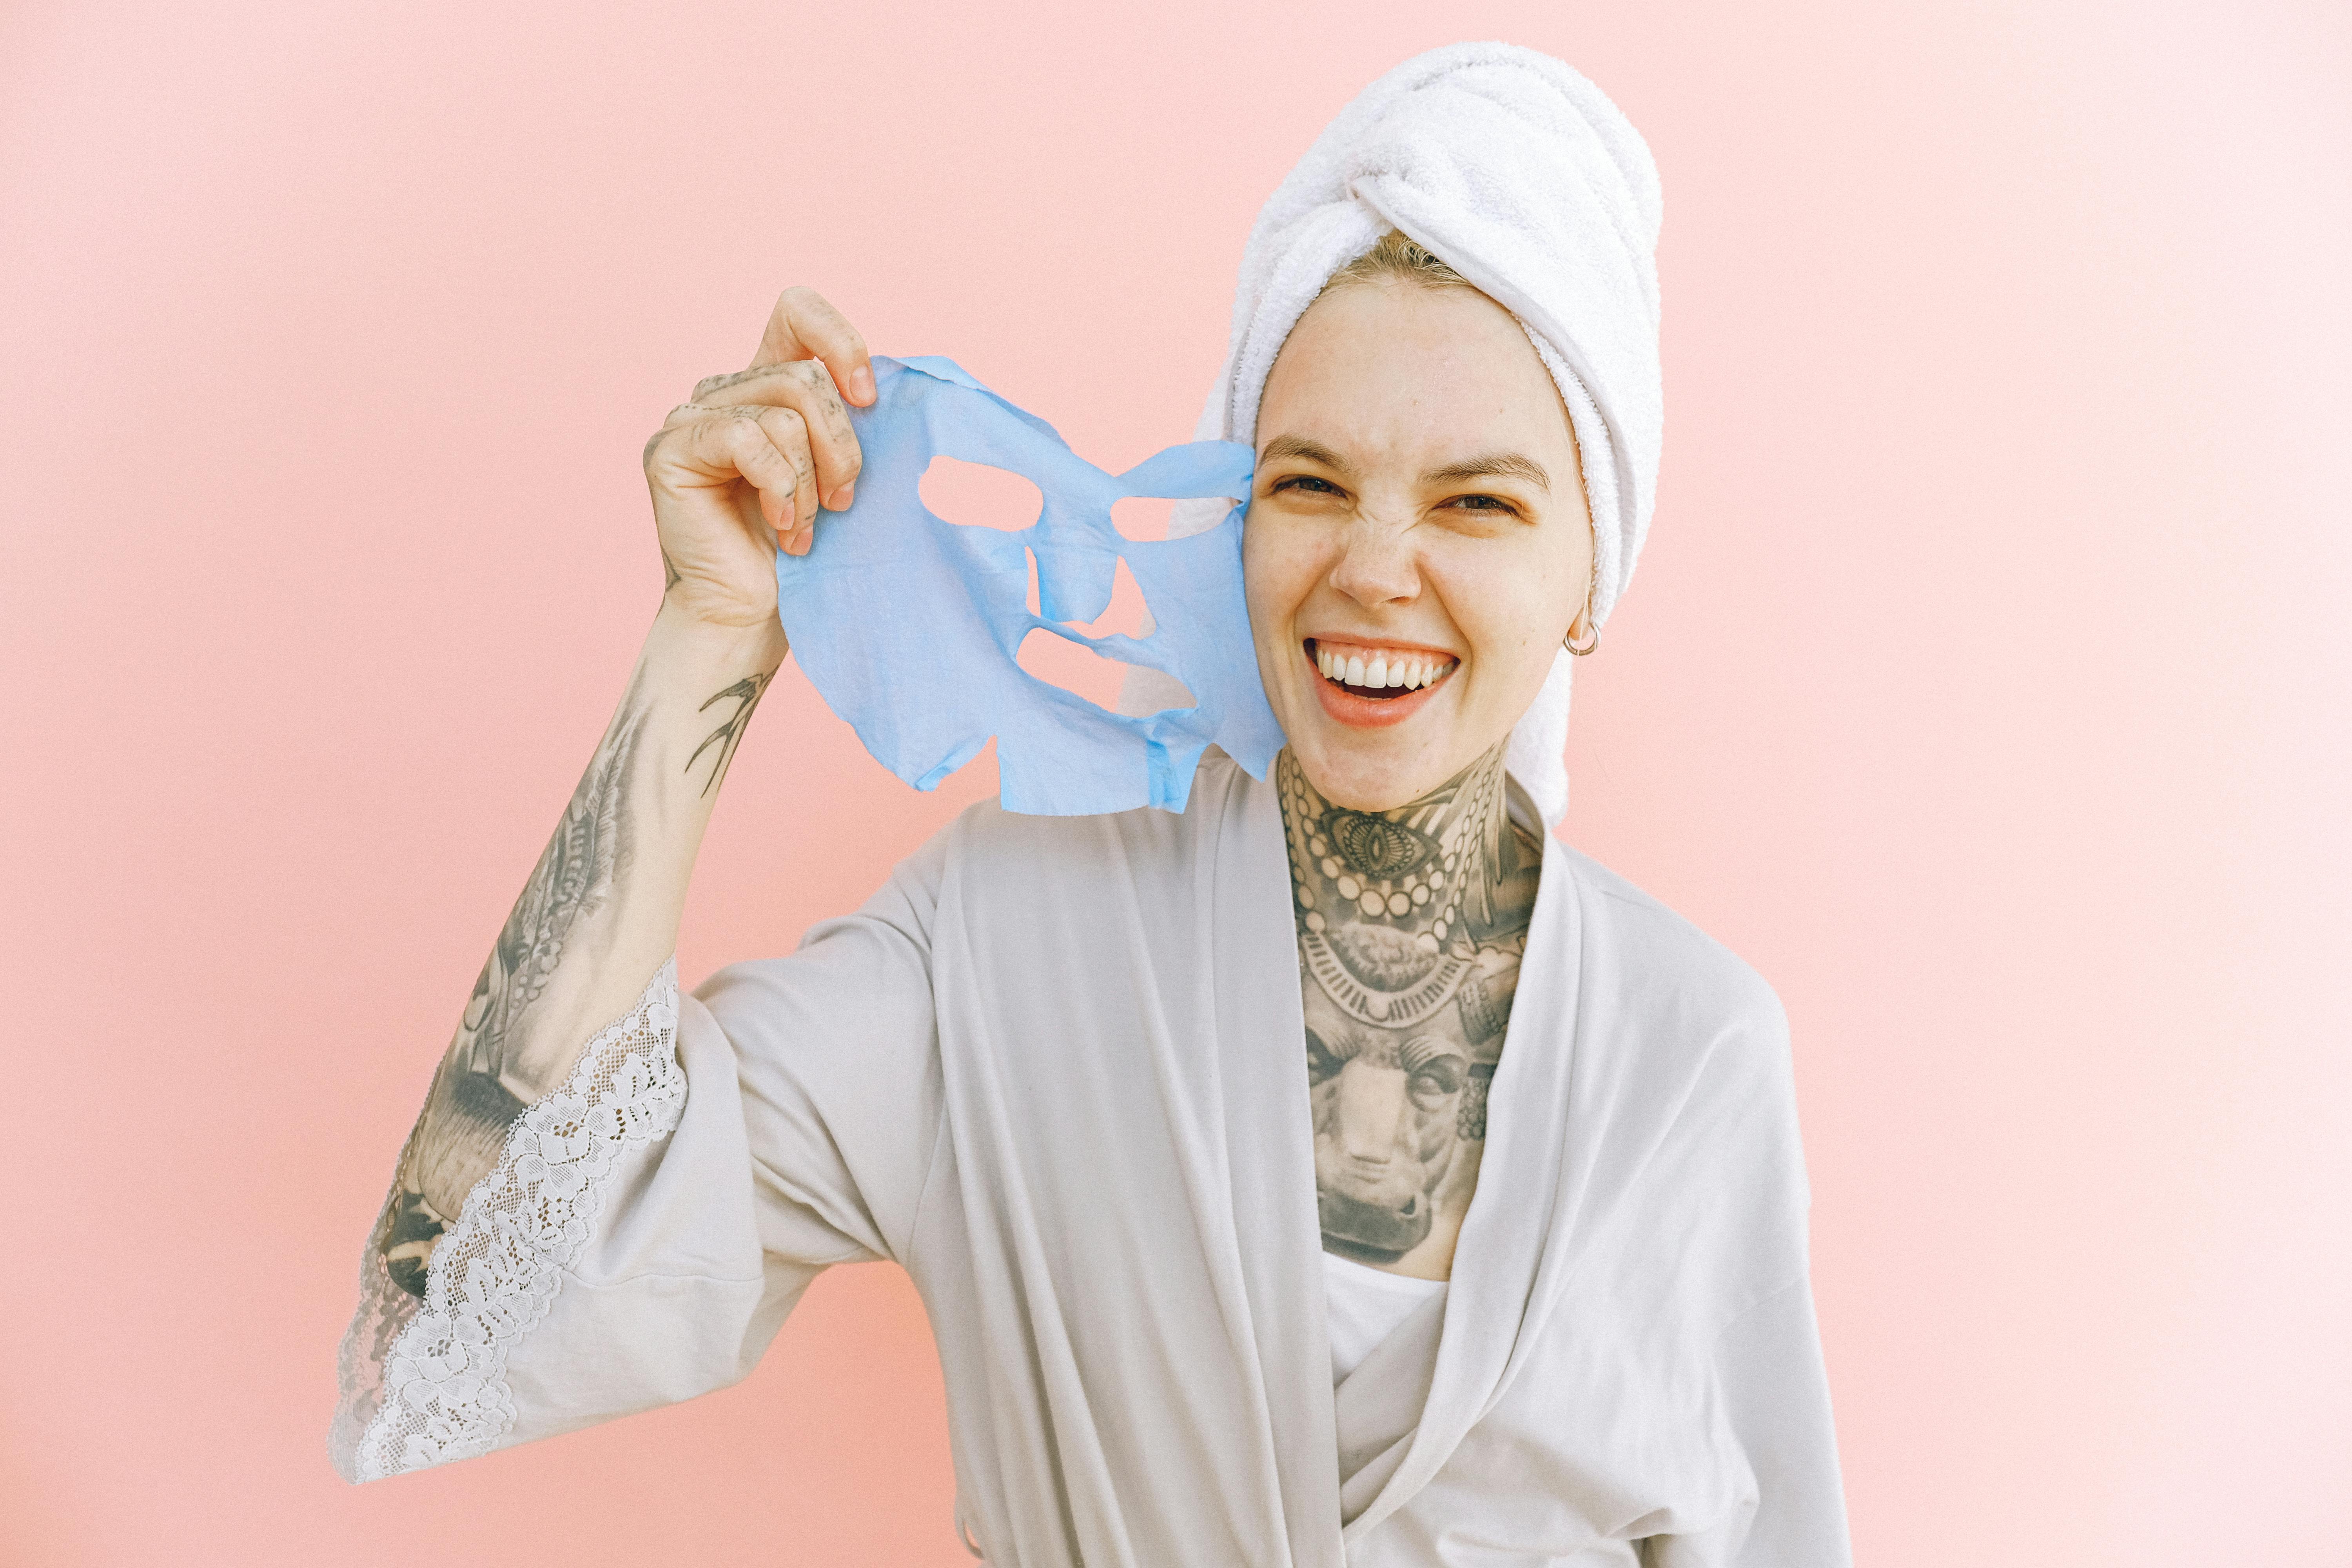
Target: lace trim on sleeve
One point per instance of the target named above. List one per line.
(423, 1383)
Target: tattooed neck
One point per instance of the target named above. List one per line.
(1411, 922)
(1431, 870)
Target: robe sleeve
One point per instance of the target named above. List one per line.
(1776, 1399)
(651, 1223)
(1775, 1498)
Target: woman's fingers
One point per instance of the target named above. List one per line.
(781, 426)
(765, 446)
(805, 325)
(806, 387)
(775, 441)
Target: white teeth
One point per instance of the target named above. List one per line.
(1381, 668)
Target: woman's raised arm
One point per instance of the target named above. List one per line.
(736, 474)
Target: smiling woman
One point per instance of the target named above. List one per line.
(1339, 1170)
(1411, 573)
(1403, 510)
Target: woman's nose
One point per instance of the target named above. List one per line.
(1376, 566)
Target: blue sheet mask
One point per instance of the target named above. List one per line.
(908, 624)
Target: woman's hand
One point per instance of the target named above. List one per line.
(741, 471)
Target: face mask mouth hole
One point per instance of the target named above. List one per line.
(1060, 661)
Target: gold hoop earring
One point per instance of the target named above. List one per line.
(1592, 591)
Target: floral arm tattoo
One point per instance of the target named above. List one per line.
(486, 1081)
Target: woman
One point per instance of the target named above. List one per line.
(1521, 1247)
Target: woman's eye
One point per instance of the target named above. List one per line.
(1482, 503)
(1306, 482)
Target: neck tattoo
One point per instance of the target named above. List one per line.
(1417, 867)
(1411, 925)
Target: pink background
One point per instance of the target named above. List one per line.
(1985, 684)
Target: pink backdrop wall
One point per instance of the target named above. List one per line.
(1985, 684)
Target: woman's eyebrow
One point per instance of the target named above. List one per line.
(1492, 464)
(1283, 446)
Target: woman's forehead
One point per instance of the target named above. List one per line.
(1441, 379)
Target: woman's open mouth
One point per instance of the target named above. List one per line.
(1367, 685)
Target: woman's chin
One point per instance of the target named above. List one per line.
(1373, 768)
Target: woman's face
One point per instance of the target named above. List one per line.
(1417, 526)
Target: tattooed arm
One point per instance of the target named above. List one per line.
(735, 474)
(598, 915)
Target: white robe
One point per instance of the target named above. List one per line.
(1054, 1069)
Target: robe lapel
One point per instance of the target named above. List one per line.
(1267, 1126)
(1514, 1239)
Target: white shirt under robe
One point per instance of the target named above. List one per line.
(1363, 1306)
(1055, 1070)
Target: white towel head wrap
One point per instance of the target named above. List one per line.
(1525, 179)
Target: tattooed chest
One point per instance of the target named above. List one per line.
(1398, 1089)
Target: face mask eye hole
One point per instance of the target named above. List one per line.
(974, 495)
(1143, 518)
